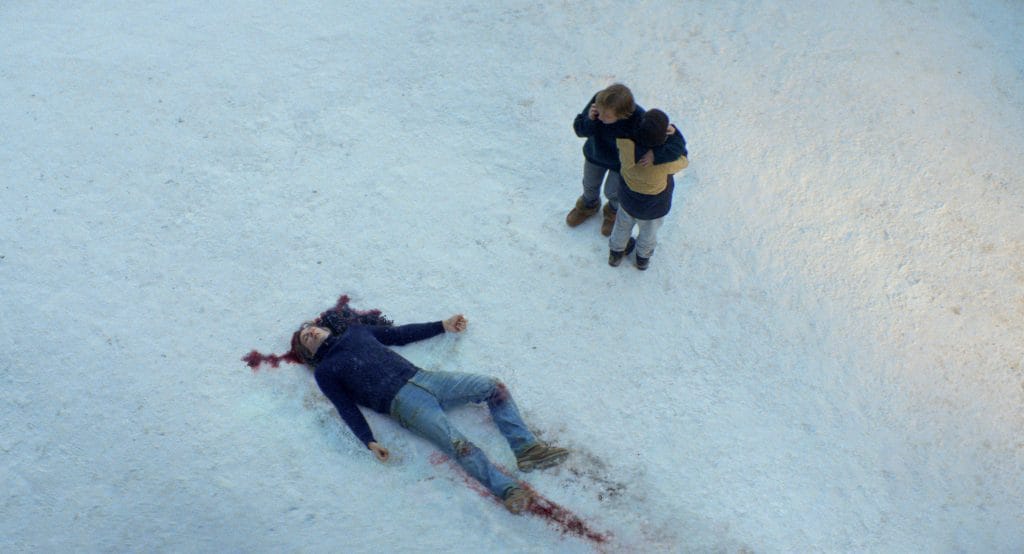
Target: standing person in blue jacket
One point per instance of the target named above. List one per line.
(354, 366)
(611, 113)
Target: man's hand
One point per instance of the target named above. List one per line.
(379, 451)
(592, 114)
(455, 324)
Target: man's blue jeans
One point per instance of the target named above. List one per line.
(420, 404)
(593, 176)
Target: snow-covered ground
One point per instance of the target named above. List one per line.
(827, 353)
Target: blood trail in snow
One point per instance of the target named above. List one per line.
(556, 515)
(567, 521)
(254, 359)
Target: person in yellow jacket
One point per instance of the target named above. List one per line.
(647, 197)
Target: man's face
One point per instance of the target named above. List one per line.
(607, 115)
(312, 337)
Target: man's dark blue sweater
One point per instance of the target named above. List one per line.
(355, 366)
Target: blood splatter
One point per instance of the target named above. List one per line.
(557, 516)
(500, 394)
(254, 359)
(345, 314)
(565, 520)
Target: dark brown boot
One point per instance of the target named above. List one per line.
(642, 263)
(609, 219)
(615, 258)
(580, 213)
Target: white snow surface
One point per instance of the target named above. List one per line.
(826, 355)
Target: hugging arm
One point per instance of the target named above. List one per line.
(674, 166)
(627, 158)
(674, 147)
(627, 153)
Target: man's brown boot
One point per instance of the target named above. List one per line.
(517, 500)
(580, 213)
(540, 456)
(609, 219)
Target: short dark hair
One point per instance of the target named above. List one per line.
(652, 128)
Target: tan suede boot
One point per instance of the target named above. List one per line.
(580, 213)
(540, 456)
(517, 500)
(609, 219)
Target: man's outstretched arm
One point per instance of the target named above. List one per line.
(404, 334)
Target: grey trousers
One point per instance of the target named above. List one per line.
(623, 229)
(593, 176)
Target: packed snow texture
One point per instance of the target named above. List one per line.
(827, 353)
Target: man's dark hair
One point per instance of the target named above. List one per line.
(337, 320)
(299, 350)
(652, 129)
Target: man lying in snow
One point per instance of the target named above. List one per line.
(354, 366)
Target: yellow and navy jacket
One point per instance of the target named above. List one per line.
(648, 191)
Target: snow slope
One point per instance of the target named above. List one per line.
(827, 353)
